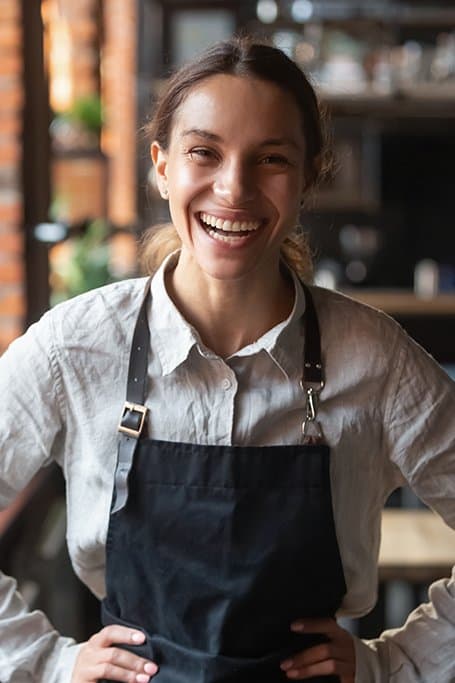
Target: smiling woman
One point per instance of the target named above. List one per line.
(259, 65)
(235, 191)
(233, 513)
(234, 196)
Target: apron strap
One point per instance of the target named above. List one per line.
(312, 381)
(312, 362)
(134, 413)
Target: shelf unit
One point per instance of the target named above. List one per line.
(420, 103)
(403, 302)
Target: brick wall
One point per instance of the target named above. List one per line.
(81, 19)
(119, 143)
(12, 297)
(119, 98)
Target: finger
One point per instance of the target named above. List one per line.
(310, 625)
(315, 654)
(328, 667)
(112, 672)
(128, 666)
(117, 634)
(126, 660)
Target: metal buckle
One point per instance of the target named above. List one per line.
(136, 408)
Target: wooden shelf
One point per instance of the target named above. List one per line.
(403, 302)
(426, 101)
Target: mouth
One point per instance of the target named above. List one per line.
(228, 230)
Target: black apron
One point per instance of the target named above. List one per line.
(213, 551)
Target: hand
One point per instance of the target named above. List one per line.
(97, 659)
(336, 657)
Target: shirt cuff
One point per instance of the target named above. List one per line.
(64, 666)
(367, 665)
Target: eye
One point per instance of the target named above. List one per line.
(201, 154)
(275, 160)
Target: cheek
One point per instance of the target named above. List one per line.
(185, 186)
(187, 178)
(285, 193)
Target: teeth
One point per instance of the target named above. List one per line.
(229, 226)
(225, 238)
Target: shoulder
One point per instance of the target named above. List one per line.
(361, 341)
(102, 316)
(349, 318)
(358, 340)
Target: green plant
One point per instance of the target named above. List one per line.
(88, 111)
(82, 264)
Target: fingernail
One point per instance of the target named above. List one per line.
(287, 664)
(142, 678)
(137, 637)
(150, 668)
(297, 627)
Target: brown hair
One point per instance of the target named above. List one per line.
(242, 56)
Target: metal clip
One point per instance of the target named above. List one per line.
(310, 404)
(311, 429)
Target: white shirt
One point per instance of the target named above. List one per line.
(387, 412)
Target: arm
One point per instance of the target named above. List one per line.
(31, 435)
(421, 650)
(420, 440)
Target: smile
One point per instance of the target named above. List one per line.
(227, 230)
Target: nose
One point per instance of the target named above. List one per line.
(234, 183)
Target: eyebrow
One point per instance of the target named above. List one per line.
(200, 132)
(208, 135)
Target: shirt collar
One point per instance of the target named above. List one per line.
(173, 337)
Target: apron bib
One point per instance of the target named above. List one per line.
(212, 551)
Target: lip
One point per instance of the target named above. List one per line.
(234, 241)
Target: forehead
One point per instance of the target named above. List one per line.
(239, 106)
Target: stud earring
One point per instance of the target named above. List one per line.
(165, 193)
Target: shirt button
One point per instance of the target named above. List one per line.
(226, 383)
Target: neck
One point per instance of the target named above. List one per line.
(230, 315)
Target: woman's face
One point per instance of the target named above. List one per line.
(234, 174)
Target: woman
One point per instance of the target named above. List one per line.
(264, 426)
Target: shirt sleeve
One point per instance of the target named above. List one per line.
(31, 433)
(420, 440)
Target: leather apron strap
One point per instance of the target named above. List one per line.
(134, 413)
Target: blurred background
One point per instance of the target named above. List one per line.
(77, 81)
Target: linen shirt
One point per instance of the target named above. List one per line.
(387, 412)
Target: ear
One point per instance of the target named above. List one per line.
(159, 158)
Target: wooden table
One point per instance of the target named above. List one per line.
(417, 546)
